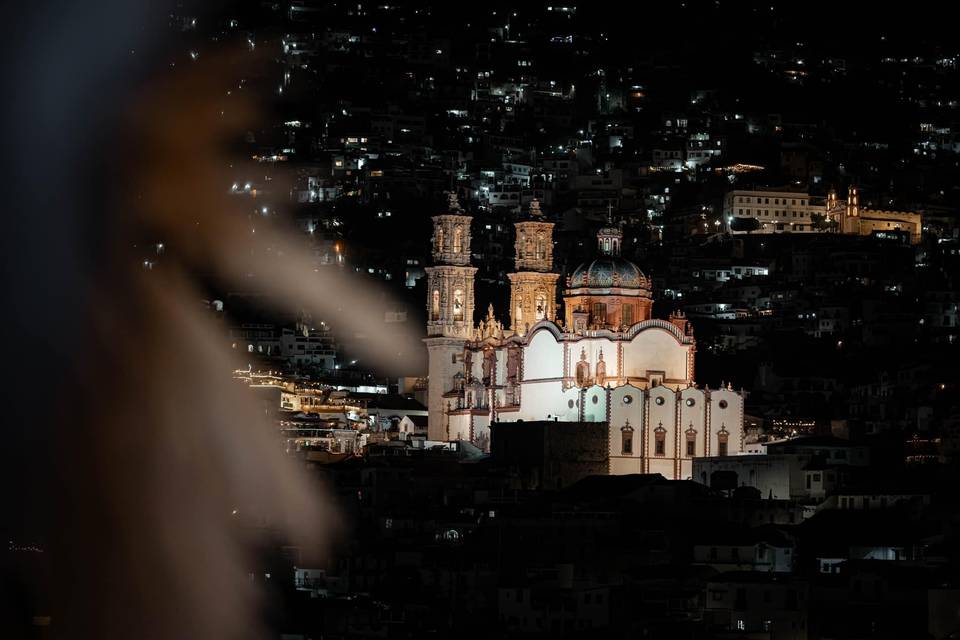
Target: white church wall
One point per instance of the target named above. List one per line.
(623, 465)
(626, 405)
(501, 369)
(459, 427)
(654, 349)
(692, 417)
(443, 366)
(543, 357)
(593, 403)
(663, 466)
(663, 411)
(570, 405)
(693, 404)
(729, 417)
(544, 400)
(593, 349)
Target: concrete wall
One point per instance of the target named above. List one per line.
(776, 476)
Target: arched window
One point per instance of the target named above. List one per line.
(458, 304)
(660, 441)
(439, 247)
(691, 441)
(541, 247)
(626, 439)
(518, 314)
(627, 313)
(527, 246)
(722, 439)
(435, 305)
(458, 239)
(541, 311)
(599, 313)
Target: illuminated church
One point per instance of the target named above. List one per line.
(602, 359)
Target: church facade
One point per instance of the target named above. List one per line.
(603, 359)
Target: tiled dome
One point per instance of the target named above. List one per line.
(606, 272)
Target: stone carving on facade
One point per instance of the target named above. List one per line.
(513, 365)
(583, 370)
(601, 369)
(489, 327)
(489, 364)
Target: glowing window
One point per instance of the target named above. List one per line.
(458, 304)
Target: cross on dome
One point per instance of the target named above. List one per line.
(535, 211)
(453, 204)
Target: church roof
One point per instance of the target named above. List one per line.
(608, 271)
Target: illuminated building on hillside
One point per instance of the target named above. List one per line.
(604, 359)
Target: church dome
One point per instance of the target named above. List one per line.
(606, 272)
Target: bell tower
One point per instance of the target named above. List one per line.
(851, 218)
(609, 241)
(449, 309)
(853, 202)
(533, 287)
